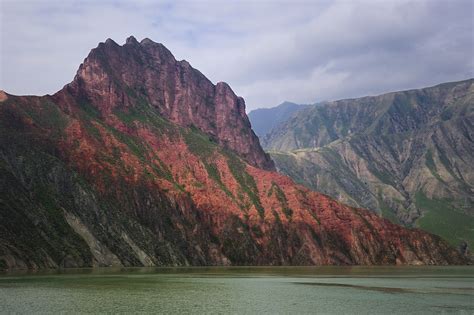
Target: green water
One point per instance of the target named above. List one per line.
(242, 290)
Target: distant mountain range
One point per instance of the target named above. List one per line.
(408, 155)
(265, 119)
(142, 161)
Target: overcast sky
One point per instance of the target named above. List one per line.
(268, 51)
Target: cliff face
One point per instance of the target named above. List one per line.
(407, 155)
(87, 182)
(114, 77)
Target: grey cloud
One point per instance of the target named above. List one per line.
(303, 51)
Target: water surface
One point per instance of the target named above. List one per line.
(242, 290)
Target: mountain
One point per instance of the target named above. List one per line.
(263, 120)
(408, 155)
(116, 76)
(141, 161)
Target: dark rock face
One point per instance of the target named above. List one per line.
(407, 155)
(113, 77)
(87, 182)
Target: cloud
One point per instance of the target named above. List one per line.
(268, 51)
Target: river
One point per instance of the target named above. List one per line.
(242, 290)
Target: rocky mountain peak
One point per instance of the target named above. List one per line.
(131, 41)
(109, 41)
(114, 78)
(146, 41)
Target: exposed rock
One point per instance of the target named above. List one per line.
(3, 96)
(103, 257)
(114, 77)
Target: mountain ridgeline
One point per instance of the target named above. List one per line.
(114, 77)
(408, 155)
(142, 161)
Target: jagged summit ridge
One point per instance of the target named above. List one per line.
(115, 76)
(131, 40)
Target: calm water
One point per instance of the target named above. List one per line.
(241, 290)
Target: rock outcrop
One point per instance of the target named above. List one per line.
(114, 77)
